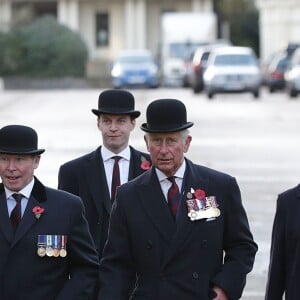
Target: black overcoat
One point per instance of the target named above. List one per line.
(148, 253)
(284, 269)
(24, 275)
(85, 177)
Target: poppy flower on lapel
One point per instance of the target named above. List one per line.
(199, 194)
(37, 210)
(146, 164)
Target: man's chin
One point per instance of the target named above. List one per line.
(115, 147)
(165, 168)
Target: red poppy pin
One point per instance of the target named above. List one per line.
(146, 164)
(37, 210)
(199, 194)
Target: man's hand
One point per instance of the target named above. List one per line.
(220, 294)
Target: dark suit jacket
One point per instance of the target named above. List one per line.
(145, 248)
(26, 276)
(284, 269)
(85, 177)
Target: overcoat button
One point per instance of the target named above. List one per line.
(195, 275)
(203, 243)
(149, 245)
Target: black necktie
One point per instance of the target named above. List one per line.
(115, 182)
(15, 216)
(173, 196)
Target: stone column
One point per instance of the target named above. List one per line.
(129, 24)
(202, 5)
(67, 13)
(5, 15)
(140, 24)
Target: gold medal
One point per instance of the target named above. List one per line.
(56, 246)
(55, 252)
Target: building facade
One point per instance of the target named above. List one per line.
(279, 24)
(107, 26)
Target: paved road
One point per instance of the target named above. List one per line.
(257, 141)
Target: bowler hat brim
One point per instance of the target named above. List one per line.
(132, 113)
(33, 152)
(168, 128)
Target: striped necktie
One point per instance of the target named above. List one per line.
(115, 182)
(173, 196)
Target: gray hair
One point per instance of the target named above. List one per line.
(184, 134)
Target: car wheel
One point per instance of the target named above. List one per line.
(210, 95)
(256, 94)
(293, 93)
(197, 88)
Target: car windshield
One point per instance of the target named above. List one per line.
(282, 64)
(135, 59)
(234, 60)
(180, 49)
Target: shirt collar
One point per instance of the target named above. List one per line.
(107, 154)
(179, 173)
(25, 191)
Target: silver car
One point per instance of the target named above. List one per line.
(292, 75)
(232, 69)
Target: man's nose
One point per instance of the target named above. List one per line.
(164, 147)
(11, 165)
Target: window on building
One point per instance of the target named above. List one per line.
(102, 30)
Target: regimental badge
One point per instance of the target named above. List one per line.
(52, 245)
(202, 207)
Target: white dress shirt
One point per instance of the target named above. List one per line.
(11, 202)
(108, 162)
(166, 184)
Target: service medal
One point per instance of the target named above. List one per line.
(49, 251)
(41, 251)
(63, 251)
(56, 249)
(49, 248)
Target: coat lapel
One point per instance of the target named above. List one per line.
(38, 196)
(99, 189)
(5, 224)
(135, 163)
(192, 179)
(27, 221)
(155, 205)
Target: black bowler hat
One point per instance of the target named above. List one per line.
(166, 115)
(18, 139)
(116, 102)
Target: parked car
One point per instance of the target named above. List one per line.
(135, 68)
(292, 75)
(199, 62)
(199, 65)
(188, 69)
(275, 72)
(232, 69)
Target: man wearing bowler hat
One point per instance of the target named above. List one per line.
(91, 176)
(46, 250)
(179, 231)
